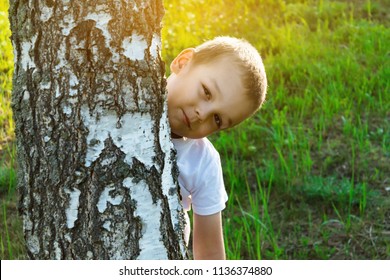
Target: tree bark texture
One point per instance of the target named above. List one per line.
(97, 172)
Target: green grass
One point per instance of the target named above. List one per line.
(308, 176)
(6, 68)
(11, 235)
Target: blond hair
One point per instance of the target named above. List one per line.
(245, 56)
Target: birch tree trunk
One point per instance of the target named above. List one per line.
(97, 173)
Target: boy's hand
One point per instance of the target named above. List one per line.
(208, 237)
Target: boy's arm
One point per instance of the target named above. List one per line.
(208, 237)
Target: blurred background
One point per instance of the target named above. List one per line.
(308, 176)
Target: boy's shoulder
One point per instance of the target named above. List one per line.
(195, 147)
(197, 155)
(200, 176)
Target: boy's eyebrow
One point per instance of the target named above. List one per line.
(216, 85)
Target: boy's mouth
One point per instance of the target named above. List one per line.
(186, 120)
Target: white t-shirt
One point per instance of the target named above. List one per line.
(200, 177)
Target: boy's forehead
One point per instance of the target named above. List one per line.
(226, 75)
(224, 67)
(224, 60)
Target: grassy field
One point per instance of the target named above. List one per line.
(309, 176)
(11, 236)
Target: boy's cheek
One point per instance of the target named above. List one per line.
(171, 121)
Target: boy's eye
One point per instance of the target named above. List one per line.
(206, 92)
(217, 118)
(218, 121)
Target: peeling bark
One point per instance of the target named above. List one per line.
(97, 172)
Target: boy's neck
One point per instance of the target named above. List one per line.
(175, 136)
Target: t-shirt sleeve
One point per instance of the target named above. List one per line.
(209, 196)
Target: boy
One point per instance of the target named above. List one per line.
(212, 87)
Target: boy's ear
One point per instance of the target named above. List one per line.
(181, 60)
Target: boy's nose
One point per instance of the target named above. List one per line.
(202, 112)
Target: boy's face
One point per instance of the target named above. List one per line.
(203, 99)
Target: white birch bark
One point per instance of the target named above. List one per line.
(97, 171)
